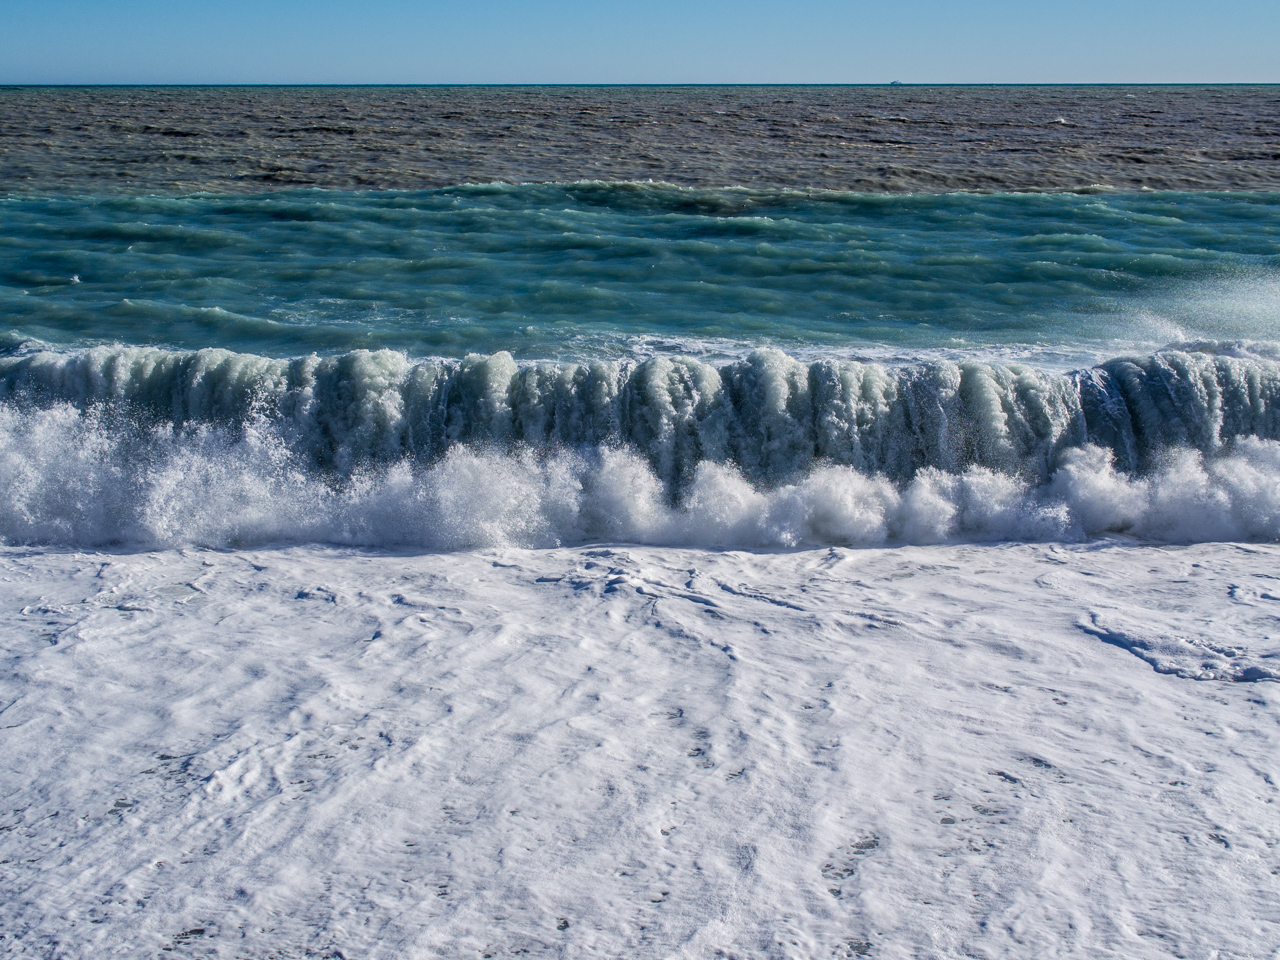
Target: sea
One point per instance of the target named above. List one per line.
(761, 522)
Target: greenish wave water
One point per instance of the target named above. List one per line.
(606, 270)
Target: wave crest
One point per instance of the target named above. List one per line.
(774, 418)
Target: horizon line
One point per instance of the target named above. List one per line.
(878, 83)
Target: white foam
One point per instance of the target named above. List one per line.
(84, 478)
(645, 753)
(1190, 498)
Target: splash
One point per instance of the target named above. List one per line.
(169, 450)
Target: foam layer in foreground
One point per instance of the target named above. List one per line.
(644, 753)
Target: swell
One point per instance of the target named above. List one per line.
(771, 417)
(598, 268)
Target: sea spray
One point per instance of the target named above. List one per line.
(90, 478)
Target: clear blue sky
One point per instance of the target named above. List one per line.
(659, 41)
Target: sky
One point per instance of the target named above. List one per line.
(655, 41)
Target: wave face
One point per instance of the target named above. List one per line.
(608, 270)
(151, 446)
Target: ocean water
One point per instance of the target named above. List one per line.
(548, 363)
(631, 522)
(886, 138)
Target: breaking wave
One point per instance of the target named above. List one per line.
(150, 447)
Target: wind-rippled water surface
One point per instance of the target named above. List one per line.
(889, 138)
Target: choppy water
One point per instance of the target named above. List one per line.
(548, 362)
(866, 138)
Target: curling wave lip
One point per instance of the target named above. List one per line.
(87, 479)
(770, 415)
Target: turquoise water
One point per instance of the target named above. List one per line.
(614, 270)
(552, 363)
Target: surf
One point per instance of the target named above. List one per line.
(147, 446)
